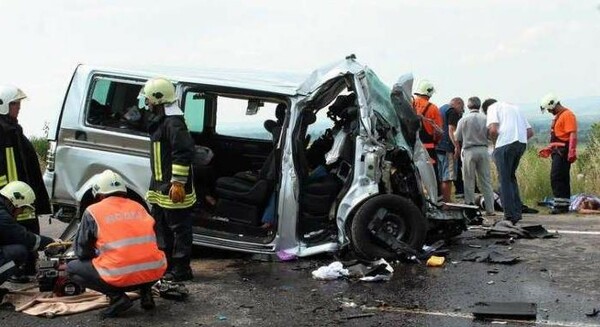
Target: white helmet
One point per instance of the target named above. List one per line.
(8, 94)
(426, 88)
(19, 194)
(108, 182)
(158, 91)
(549, 102)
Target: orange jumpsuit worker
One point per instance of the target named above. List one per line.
(562, 149)
(431, 120)
(116, 247)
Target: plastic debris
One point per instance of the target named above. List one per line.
(283, 255)
(333, 271)
(435, 261)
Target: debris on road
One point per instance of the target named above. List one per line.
(594, 313)
(490, 255)
(364, 315)
(333, 271)
(435, 261)
(507, 229)
(375, 271)
(505, 310)
(283, 255)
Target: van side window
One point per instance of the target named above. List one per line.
(194, 111)
(232, 119)
(113, 104)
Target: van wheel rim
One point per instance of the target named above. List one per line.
(395, 225)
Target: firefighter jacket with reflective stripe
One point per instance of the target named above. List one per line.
(127, 252)
(19, 162)
(12, 233)
(171, 155)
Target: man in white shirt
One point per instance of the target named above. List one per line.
(509, 130)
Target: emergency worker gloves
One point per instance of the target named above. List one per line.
(572, 155)
(177, 192)
(545, 152)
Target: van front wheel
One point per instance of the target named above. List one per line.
(397, 216)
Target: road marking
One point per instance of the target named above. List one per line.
(470, 317)
(577, 232)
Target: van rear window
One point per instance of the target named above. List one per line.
(233, 119)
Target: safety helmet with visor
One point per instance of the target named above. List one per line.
(425, 88)
(157, 91)
(8, 94)
(108, 182)
(549, 102)
(19, 194)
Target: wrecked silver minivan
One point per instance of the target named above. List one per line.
(333, 158)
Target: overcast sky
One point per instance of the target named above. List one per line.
(514, 50)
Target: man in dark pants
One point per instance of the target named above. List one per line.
(509, 130)
(16, 242)
(19, 162)
(171, 189)
(562, 148)
(116, 247)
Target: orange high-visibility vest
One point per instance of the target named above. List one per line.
(126, 242)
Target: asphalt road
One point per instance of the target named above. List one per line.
(560, 275)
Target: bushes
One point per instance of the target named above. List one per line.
(533, 176)
(41, 148)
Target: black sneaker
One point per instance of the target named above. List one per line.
(117, 306)
(147, 301)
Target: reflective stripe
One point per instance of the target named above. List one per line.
(157, 162)
(164, 201)
(126, 242)
(27, 215)
(131, 268)
(180, 170)
(5, 267)
(11, 167)
(3, 180)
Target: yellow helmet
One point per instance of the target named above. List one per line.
(19, 194)
(8, 94)
(549, 102)
(425, 88)
(159, 91)
(108, 182)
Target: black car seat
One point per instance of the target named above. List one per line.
(242, 197)
(316, 193)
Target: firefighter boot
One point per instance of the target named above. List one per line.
(118, 305)
(181, 271)
(147, 301)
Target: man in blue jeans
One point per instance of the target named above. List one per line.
(509, 130)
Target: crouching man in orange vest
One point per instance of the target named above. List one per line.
(116, 247)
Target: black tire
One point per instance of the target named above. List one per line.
(404, 218)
